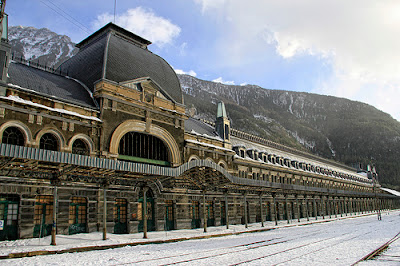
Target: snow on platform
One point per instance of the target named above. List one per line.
(338, 241)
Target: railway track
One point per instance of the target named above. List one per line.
(198, 256)
(209, 253)
(377, 253)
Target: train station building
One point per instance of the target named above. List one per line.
(104, 142)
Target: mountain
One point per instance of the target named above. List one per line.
(40, 45)
(335, 128)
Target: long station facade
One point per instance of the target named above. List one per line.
(104, 142)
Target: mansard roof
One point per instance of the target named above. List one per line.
(115, 54)
(198, 127)
(49, 84)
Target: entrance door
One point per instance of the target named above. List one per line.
(248, 213)
(169, 215)
(43, 216)
(223, 213)
(268, 216)
(9, 216)
(77, 215)
(301, 210)
(120, 216)
(150, 214)
(196, 214)
(210, 214)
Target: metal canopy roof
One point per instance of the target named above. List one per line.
(26, 162)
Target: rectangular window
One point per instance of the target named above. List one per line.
(44, 210)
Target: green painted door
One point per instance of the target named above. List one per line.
(43, 216)
(120, 216)
(169, 215)
(9, 215)
(150, 214)
(196, 214)
(77, 215)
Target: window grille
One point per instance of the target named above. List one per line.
(49, 142)
(80, 147)
(143, 146)
(14, 136)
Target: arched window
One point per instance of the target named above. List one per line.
(80, 147)
(48, 142)
(14, 136)
(141, 147)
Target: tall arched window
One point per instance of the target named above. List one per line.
(80, 147)
(141, 147)
(48, 142)
(14, 136)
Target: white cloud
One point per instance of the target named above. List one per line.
(210, 4)
(144, 23)
(220, 80)
(359, 38)
(182, 72)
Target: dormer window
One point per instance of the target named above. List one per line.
(263, 157)
(250, 153)
(255, 155)
(240, 151)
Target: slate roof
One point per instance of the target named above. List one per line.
(199, 127)
(49, 84)
(112, 54)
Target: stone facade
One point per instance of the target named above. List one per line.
(66, 143)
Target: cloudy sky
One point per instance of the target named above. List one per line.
(342, 48)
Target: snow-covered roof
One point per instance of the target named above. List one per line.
(57, 87)
(58, 110)
(391, 191)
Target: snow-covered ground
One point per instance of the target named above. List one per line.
(337, 242)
